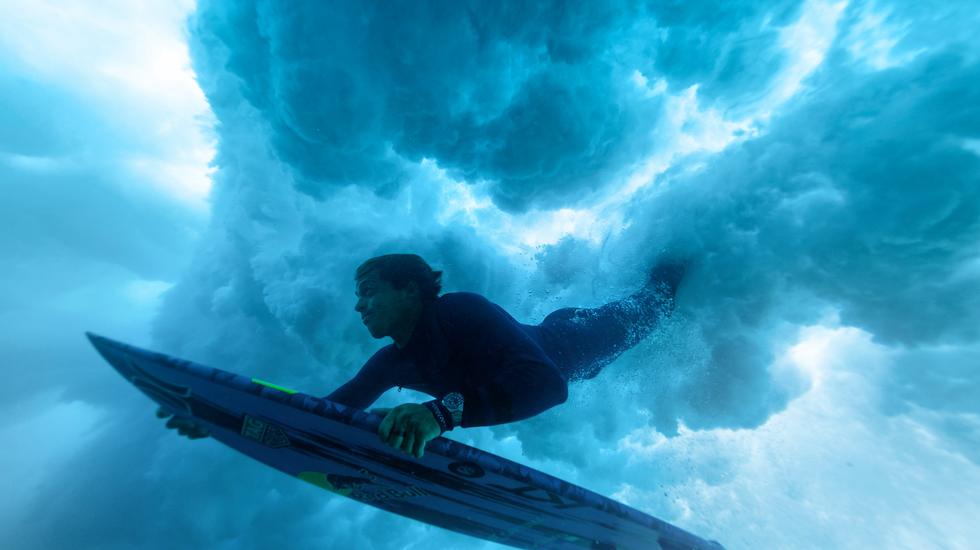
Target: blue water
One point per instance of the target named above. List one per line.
(204, 179)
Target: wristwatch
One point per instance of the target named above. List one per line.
(453, 402)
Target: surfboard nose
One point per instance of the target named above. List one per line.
(104, 346)
(101, 342)
(96, 340)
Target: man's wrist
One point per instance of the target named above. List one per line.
(441, 415)
(447, 410)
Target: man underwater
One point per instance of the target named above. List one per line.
(481, 365)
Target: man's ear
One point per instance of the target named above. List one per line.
(413, 288)
(410, 288)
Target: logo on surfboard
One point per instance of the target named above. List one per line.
(264, 433)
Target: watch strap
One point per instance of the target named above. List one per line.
(441, 414)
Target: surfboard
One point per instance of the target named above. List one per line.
(453, 486)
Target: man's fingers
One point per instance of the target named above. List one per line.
(184, 426)
(384, 430)
(162, 413)
(179, 423)
(405, 428)
(419, 447)
(409, 443)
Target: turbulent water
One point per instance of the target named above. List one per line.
(818, 162)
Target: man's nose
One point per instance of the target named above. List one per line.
(359, 306)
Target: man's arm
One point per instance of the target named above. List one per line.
(519, 391)
(368, 384)
(408, 427)
(516, 379)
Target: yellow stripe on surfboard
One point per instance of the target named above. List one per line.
(320, 480)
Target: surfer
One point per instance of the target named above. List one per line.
(481, 365)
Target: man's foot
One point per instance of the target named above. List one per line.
(666, 274)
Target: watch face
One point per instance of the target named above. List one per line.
(453, 401)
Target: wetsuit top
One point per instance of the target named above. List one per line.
(464, 343)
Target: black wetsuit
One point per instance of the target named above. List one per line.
(505, 370)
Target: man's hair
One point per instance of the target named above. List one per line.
(401, 269)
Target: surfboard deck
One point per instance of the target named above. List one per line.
(453, 485)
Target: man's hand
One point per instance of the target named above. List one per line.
(188, 428)
(409, 427)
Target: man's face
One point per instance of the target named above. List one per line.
(383, 308)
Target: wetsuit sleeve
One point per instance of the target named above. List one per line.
(368, 384)
(511, 378)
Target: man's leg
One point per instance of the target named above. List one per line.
(582, 341)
